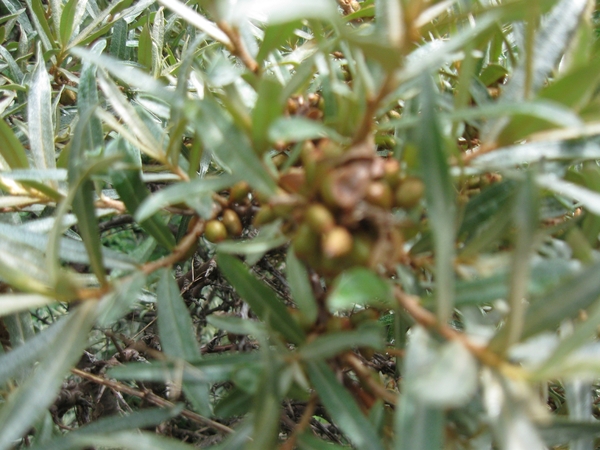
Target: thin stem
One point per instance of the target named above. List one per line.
(373, 103)
(290, 444)
(238, 48)
(428, 320)
(152, 398)
(365, 376)
(178, 252)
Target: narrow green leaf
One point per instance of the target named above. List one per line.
(196, 20)
(131, 440)
(175, 325)
(116, 304)
(83, 198)
(237, 325)
(545, 275)
(211, 368)
(296, 129)
(492, 73)
(145, 47)
(164, 371)
(483, 207)
(553, 367)
(15, 70)
(562, 430)
(144, 138)
(307, 441)
(30, 400)
(132, 191)
(118, 41)
(40, 117)
(392, 23)
(533, 152)
(38, 17)
(578, 394)
(24, 356)
(275, 36)
(418, 425)
(158, 40)
(185, 192)
(267, 109)
(433, 54)
(70, 250)
(288, 10)
(334, 343)
(589, 199)
(342, 407)
(262, 299)
(99, 25)
(12, 303)
(236, 402)
(440, 199)
(129, 74)
(269, 238)
(19, 327)
(66, 21)
(16, 7)
(237, 440)
(22, 267)
(178, 338)
(301, 288)
(359, 286)
(11, 149)
(87, 101)
(231, 147)
(551, 41)
(526, 221)
(112, 424)
(547, 311)
(266, 413)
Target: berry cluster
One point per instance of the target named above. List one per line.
(336, 206)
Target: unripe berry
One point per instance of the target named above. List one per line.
(392, 171)
(409, 193)
(215, 231)
(232, 222)
(306, 245)
(264, 215)
(319, 218)
(336, 243)
(239, 192)
(379, 194)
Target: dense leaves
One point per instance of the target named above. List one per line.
(262, 224)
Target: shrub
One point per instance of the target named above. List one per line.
(299, 224)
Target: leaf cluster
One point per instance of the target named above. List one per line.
(299, 224)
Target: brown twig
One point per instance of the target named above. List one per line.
(178, 252)
(428, 320)
(373, 103)
(346, 6)
(115, 222)
(107, 202)
(152, 398)
(238, 48)
(365, 376)
(290, 443)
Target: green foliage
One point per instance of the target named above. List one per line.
(299, 224)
